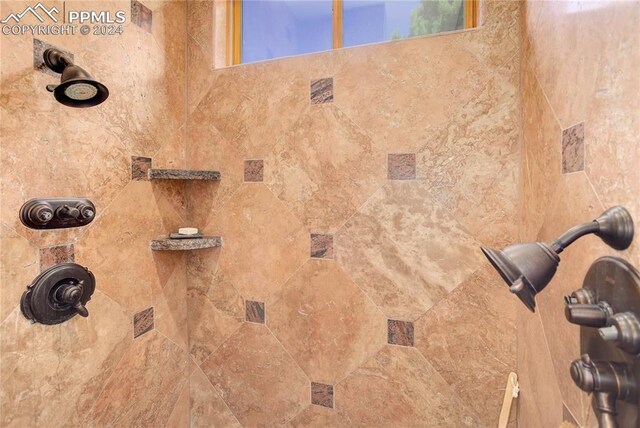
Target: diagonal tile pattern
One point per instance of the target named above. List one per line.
(326, 322)
(256, 377)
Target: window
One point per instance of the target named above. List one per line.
(266, 29)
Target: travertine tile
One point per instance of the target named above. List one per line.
(215, 308)
(405, 251)
(326, 322)
(18, 268)
(119, 242)
(325, 168)
(398, 387)
(543, 405)
(474, 362)
(145, 385)
(256, 377)
(264, 243)
(207, 407)
(316, 416)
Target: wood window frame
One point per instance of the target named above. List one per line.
(234, 21)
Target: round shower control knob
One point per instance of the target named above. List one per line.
(86, 211)
(41, 213)
(624, 331)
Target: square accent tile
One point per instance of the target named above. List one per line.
(401, 166)
(321, 246)
(573, 149)
(140, 167)
(51, 256)
(254, 311)
(38, 61)
(322, 91)
(141, 15)
(253, 170)
(322, 395)
(400, 333)
(143, 322)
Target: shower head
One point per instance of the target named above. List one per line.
(77, 88)
(528, 268)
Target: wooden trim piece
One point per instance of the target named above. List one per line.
(236, 31)
(470, 13)
(337, 24)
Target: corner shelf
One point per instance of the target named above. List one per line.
(168, 244)
(183, 174)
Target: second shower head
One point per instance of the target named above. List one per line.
(77, 88)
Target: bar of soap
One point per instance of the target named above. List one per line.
(188, 231)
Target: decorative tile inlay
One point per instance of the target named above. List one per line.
(141, 15)
(322, 91)
(321, 246)
(53, 255)
(253, 170)
(573, 148)
(143, 322)
(401, 166)
(254, 311)
(38, 61)
(140, 167)
(400, 332)
(321, 394)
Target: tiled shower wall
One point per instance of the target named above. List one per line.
(92, 371)
(580, 155)
(357, 187)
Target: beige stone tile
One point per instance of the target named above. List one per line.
(540, 400)
(92, 348)
(474, 362)
(30, 356)
(264, 244)
(471, 160)
(207, 407)
(199, 70)
(405, 251)
(257, 379)
(316, 416)
(325, 168)
(19, 267)
(116, 247)
(254, 105)
(540, 155)
(181, 410)
(170, 305)
(209, 150)
(398, 387)
(145, 386)
(326, 322)
(216, 310)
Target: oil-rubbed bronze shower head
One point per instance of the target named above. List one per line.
(77, 88)
(528, 268)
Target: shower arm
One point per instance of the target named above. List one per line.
(573, 234)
